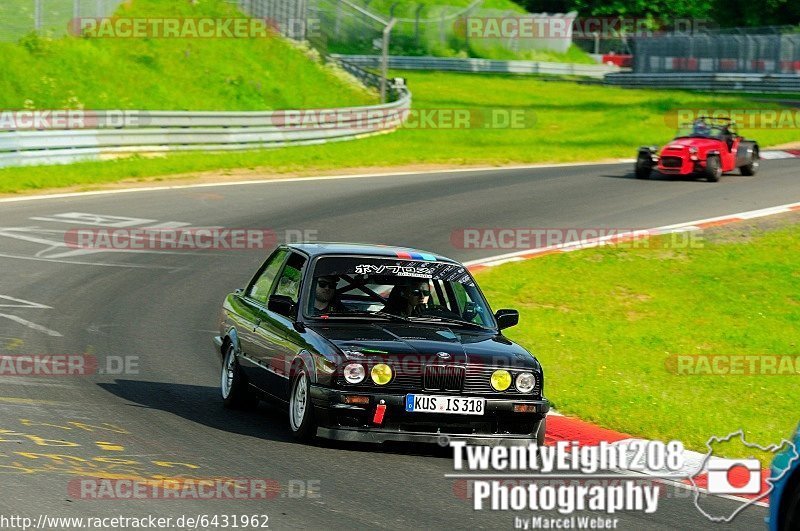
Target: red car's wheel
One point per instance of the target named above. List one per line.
(644, 166)
(713, 168)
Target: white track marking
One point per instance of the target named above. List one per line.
(98, 220)
(31, 325)
(76, 262)
(22, 303)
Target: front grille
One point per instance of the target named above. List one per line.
(671, 162)
(444, 377)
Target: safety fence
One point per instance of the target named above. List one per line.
(52, 17)
(56, 137)
(745, 53)
(454, 64)
(756, 83)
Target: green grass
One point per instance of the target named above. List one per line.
(175, 74)
(573, 123)
(604, 322)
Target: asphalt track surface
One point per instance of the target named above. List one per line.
(164, 417)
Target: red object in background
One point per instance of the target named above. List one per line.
(687, 64)
(380, 410)
(623, 60)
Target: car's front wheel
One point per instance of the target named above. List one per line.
(301, 412)
(713, 169)
(233, 385)
(644, 166)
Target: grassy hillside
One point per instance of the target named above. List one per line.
(179, 74)
(441, 31)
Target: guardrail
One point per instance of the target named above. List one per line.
(107, 134)
(458, 64)
(779, 83)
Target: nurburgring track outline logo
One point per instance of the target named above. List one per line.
(773, 448)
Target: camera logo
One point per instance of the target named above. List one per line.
(736, 476)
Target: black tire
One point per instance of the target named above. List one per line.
(713, 169)
(751, 168)
(790, 509)
(644, 166)
(301, 411)
(233, 385)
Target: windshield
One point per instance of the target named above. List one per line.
(705, 129)
(376, 288)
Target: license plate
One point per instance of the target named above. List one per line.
(457, 405)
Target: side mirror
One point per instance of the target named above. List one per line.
(506, 318)
(281, 304)
(238, 291)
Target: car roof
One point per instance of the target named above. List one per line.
(315, 249)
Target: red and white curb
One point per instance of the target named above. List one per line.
(518, 256)
(562, 428)
(775, 154)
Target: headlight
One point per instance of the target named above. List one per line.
(381, 374)
(354, 373)
(525, 382)
(692, 150)
(501, 380)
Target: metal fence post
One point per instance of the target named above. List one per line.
(37, 15)
(387, 32)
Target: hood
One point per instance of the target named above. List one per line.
(681, 145)
(426, 343)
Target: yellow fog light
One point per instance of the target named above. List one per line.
(381, 374)
(501, 380)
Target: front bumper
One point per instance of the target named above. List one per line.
(498, 425)
(687, 166)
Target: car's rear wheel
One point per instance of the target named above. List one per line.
(713, 168)
(751, 168)
(644, 166)
(301, 411)
(233, 385)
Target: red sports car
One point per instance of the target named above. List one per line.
(707, 148)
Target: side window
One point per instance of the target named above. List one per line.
(289, 283)
(263, 284)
